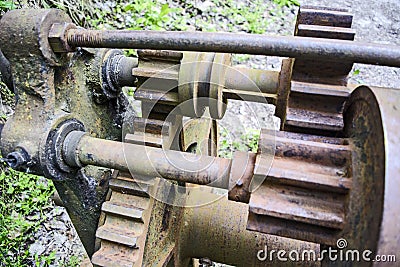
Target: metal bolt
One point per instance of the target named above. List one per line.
(17, 158)
(58, 37)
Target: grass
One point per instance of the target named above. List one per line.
(23, 200)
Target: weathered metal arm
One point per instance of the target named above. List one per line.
(284, 46)
(81, 149)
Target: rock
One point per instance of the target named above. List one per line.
(59, 225)
(58, 211)
(59, 238)
(36, 248)
(204, 6)
(6, 109)
(47, 226)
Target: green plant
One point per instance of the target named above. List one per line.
(249, 18)
(131, 91)
(6, 5)
(45, 260)
(23, 200)
(248, 142)
(136, 15)
(241, 58)
(149, 14)
(287, 2)
(224, 146)
(251, 138)
(73, 261)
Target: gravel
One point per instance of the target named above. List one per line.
(374, 21)
(377, 22)
(57, 234)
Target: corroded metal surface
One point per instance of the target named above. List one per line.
(285, 77)
(321, 189)
(389, 236)
(304, 194)
(157, 82)
(295, 47)
(371, 119)
(52, 90)
(116, 72)
(316, 108)
(247, 80)
(125, 235)
(151, 161)
(58, 37)
(217, 101)
(327, 23)
(325, 16)
(194, 77)
(218, 231)
(193, 81)
(241, 175)
(318, 88)
(6, 73)
(28, 53)
(199, 136)
(123, 225)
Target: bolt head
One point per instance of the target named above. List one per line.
(58, 37)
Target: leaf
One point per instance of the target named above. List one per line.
(128, 7)
(141, 20)
(287, 3)
(164, 10)
(5, 5)
(10, 190)
(131, 92)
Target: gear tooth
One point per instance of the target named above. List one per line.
(124, 225)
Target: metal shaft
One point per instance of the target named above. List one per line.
(148, 161)
(286, 46)
(252, 80)
(218, 231)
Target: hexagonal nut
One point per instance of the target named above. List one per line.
(58, 37)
